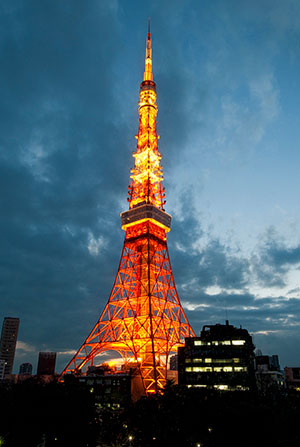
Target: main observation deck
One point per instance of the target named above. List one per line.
(143, 213)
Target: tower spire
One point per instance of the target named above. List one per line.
(148, 75)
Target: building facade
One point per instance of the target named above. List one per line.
(8, 343)
(222, 358)
(269, 377)
(292, 377)
(2, 367)
(46, 364)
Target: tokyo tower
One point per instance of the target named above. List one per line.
(143, 319)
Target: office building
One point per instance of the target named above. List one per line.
(8, 343)
(222, 358)
(46, 363)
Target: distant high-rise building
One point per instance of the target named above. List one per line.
(26, 369)
(8, 343)
(2, 366)
(46, 364)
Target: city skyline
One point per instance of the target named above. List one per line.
(227, 76)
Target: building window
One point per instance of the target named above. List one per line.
(238, 342)
(221, 387)
(197, 386)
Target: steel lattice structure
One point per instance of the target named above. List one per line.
(143, 319)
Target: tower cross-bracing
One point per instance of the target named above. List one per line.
(143, 319)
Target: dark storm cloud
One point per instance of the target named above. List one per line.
(201, 264)
(274, 258)
(62, 170)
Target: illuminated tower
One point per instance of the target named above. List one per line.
(143, 319)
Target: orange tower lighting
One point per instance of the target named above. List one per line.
(143, 319)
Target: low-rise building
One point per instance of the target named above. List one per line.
(269, 377)
(111, 388)
(221, 358)
(292, 377)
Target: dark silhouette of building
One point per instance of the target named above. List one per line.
(269, 377)
(46, 363)
(292, 377)
(267, 363)
(25, 369)
(221, 358)
(8, 343)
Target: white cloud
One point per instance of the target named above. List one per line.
(264, 90)
(67, 352)
(94, 244)
(192, 306)
(25, 347)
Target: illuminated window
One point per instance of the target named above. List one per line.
(202, 369)
(215, 343)
(221, 387)
(198, 343)
(240, 369)
(197, 386)
(187, 360)
(188, 369)
(222, 360)
(197, 360)
(225, 342)
(238, 342)
(218, 369)
(208, 360)
(236, 360)
(227, 369)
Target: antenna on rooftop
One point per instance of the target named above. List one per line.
(226, 314)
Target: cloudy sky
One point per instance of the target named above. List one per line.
(228, 75)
